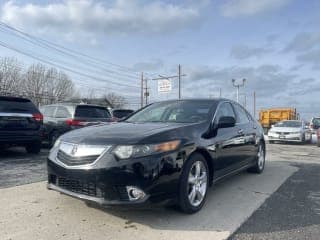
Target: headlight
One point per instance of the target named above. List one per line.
(128, 151)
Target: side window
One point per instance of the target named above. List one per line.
(48, 111)
(242, 116)
(62, 112)
(224, 110)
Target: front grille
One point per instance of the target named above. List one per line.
(74, 161)
(81, 187)
(283, 133)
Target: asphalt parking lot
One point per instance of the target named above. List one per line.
(281, 203)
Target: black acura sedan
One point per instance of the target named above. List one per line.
(168, 152)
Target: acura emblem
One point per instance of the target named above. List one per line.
(74, 150)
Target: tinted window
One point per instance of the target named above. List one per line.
(62, 112)
(316, 122)
(242, 116)
(48, 111)
(224, 110)
(17, 105)
(92, 112)
(121, 113)
(174, 111)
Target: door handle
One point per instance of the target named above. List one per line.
(240, 131)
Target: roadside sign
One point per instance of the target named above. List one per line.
(164, 86)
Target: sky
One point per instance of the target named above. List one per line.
(273, 44)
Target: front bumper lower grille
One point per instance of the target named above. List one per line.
(75, 161)
(92, 189)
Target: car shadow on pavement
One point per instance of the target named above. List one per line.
(228, 204)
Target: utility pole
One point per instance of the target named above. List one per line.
(141, 89)
(179, 79)
(254, 104)
(146, 92)
(238, 86)
(175, 76)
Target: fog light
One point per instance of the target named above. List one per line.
(135, 193)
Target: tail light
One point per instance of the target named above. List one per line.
(318, 133)
(71, 122)
(38, 117)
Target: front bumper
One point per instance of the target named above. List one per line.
(285, 138)
(106, 181)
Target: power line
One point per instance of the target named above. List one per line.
(63, 67)
(85, 65)
(57, 47)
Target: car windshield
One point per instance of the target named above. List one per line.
(174, 111)
(294, 124)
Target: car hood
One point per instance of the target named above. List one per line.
(121, 133)
(285, 129)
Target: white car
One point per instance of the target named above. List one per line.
(289, 131)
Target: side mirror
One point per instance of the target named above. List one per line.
(272, 126)
(226, 122)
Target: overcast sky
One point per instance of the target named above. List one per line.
(274, 44)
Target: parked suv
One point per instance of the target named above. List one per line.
(20, 124)
(63, 117)
(315, 124)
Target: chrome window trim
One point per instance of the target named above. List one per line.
(3, 114)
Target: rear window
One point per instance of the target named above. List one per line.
(17, 105)
(316, 122)
(121, 113)
(91, 112)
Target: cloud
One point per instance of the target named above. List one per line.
(153, 65)
(267, 80)
(238, 8)
(244, 52)
(102, 17)
(303, 42)
(311, 57)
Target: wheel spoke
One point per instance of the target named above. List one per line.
(199, 195)
(192, 195)
(192, 179)
(203, 177)
(198, 169)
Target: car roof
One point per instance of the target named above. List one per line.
(14, 98)
(73, 105)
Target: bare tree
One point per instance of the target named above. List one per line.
(115, 100)
(10, 75)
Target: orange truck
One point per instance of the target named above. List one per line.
(268, 117)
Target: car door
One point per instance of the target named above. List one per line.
(225, 142)
(246, 135)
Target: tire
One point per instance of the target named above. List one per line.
(260, 160)
(53, 137)
(34, 147)
(194, 182)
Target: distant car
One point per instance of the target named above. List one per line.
(315, 124)
(63, 117)
(168, 152)
(289, 131)
(20, 124)
(121, 113)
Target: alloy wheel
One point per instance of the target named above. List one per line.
(197, 183)
(261, 157)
